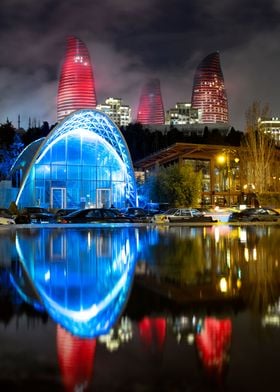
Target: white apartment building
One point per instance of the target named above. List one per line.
(271, 126)
(119, 113)
(182, 114)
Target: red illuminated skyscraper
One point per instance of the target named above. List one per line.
(209, 92)
(76, 88)
(150, 110)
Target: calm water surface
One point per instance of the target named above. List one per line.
(124, 308)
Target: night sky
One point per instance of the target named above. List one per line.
(131, 40)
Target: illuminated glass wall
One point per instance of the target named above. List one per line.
(150, 110)
(209, 92)
(84, 162)
(76, 88)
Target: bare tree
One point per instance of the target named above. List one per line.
(257, 149)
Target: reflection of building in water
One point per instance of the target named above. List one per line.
(261, 274)
(272, 316)
(7, 251)
(121, 333)
(213, 343)
(220, 262)
(152, 332)
(76, 359)
(209, 268)
(83, 277)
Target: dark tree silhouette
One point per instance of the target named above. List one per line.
(7, 134)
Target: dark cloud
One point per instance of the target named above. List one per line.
(131, 40)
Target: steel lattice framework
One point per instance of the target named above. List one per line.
(101, 125)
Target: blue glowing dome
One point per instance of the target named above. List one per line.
(81, 276)
(83, 162)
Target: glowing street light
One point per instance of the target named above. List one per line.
(229, 171)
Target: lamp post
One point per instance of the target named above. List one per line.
(224, 161)
(229, 171)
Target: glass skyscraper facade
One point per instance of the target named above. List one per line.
(150, 109)
(209, 92)
(76, 89)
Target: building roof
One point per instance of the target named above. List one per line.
(180, 150)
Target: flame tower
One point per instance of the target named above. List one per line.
(76, 88)
(209, 92)
(150, 110)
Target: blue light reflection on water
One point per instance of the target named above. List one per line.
(191, 260)
(83, 277)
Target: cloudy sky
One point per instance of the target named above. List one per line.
(130, 40)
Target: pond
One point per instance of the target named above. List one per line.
(139, 308)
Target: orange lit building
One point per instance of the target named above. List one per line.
(221, 180)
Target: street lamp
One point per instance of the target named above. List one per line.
(222, 160)
(229, 170)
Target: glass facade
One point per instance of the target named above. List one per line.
(209, 93)
(76, 88)
(150, 110)
(84, 162)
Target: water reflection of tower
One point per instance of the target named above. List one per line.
(76, 360)
(213, 344)
(153, 332)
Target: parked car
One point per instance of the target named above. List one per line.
(6, 218)
(156, 208)
(137, 214)
(181, 215)
(35, 215)
(255, 215)
(93, 215)
(220, 214)
(62, 212)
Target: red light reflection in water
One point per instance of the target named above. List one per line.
(153, 332)
(76, 359)
(213, 344)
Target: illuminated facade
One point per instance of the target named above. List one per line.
(213, 344)
(271, 126)
(219, 165)
(182, 114)
(150, 110)
(76, 358)
(87, 298)
(152, 332)
(209, 92)
(83, 162)
(76, 89)
(114, 108)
